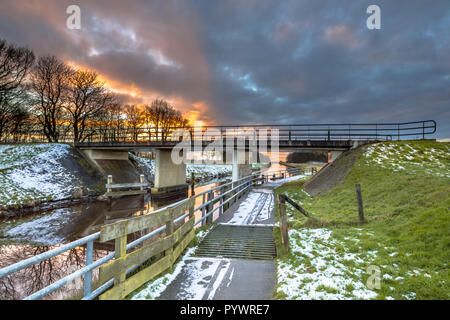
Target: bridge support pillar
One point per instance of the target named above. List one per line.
(170, 178)
(241, 165)
(332, 155)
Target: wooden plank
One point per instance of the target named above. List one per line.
(120, 250)
(181, 209)
(152, 220)
(181, 231)
(296, 206)
(123, 289)
(127, 185)
(169, 231)
(125, 193)
(182, 245)
(136, 257)
(140, 255)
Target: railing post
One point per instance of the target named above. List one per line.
(109, 181)
(209, 208)
(87, 287)
(142, 180)
(203, 210)
(283, 222)
(192, 184)
(423, 130)
(169, 231)
(120, 249)
(221, 206)
(360, 202)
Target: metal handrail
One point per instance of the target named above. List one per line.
(287, 132)
(240, 186)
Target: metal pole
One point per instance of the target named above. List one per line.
(87, 288)
(203, 211)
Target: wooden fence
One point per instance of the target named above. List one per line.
(116, 189)
(161, 254)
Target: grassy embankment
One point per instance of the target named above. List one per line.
(406, 189)
(33, 173)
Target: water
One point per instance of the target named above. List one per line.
(27, 237)
(32, 235)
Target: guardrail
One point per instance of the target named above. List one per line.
(217, 199)
(293, 132)
(110, 186)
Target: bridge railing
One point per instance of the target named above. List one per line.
(220, 198)
(294, 132)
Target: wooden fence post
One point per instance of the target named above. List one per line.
(142, 180)
(360, 202)
(227, 205)
(283, 221)
(120, 249)
(209, 208)
(192, 184)
(169, 231)
(109, 181)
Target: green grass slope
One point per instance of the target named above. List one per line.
(406, 194)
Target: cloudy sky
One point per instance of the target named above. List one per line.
(256, 61)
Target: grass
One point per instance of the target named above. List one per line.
(406, 204)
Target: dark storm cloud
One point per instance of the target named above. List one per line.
(258, 61)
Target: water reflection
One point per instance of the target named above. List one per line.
(35, 235)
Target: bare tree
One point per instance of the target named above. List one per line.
(164, 118)
(87, 99)
(134, 120)
(49, 83)
(15, 64)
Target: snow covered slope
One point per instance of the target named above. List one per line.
(38, 172)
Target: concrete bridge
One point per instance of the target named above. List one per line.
(238, 142)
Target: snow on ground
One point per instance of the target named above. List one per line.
(245, 208)
(256, 208)
(34, 172)
(43, 230)
(317, 271)
(410, 157)
(279, 183)
(199, 279)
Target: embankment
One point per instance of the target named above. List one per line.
(405, 239)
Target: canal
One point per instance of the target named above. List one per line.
(29, 236)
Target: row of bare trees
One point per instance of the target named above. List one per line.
(48, 96)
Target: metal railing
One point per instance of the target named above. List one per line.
(222, 195)
(294, 132)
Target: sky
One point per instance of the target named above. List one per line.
(255, 61)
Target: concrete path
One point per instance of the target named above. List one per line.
(196, 278)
